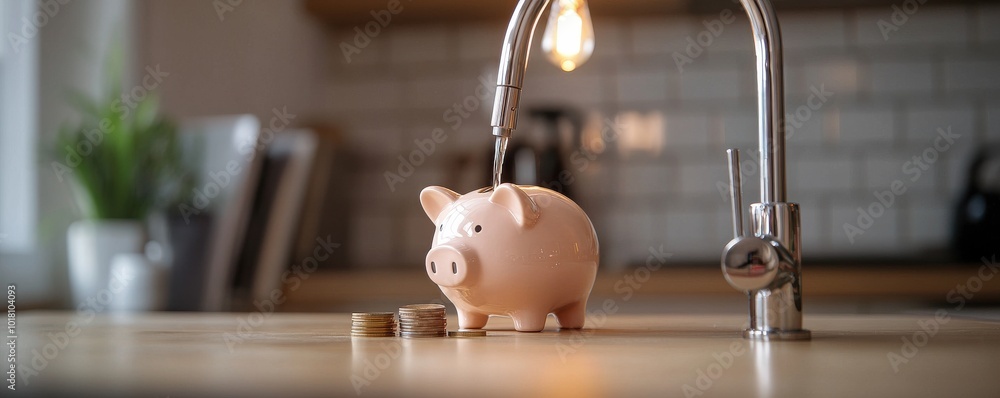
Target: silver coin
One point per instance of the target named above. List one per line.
(422, 307)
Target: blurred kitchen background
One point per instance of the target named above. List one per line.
(636, 135)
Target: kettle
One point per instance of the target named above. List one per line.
(977, 215)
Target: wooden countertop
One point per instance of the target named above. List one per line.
(277, 354)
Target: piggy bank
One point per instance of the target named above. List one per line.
(517, 251)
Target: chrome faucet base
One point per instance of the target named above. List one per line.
(777, 335)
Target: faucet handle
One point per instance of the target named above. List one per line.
(735, 191)
(751, 263)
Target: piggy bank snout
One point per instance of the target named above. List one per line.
(448, 266)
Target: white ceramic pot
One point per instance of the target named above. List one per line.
(91, 245)
(137, 284)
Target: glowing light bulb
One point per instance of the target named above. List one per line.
(569, 36)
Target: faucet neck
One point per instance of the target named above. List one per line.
(770, 98)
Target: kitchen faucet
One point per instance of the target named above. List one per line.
(765, 264)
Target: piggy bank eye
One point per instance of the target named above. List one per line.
(479, 228)
(441, 228)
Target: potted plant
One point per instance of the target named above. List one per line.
(123, 161)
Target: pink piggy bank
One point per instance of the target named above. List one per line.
(518, 251)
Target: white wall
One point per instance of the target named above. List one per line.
(255, 57)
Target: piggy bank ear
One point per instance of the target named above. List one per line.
(435, 199)
(514, 199)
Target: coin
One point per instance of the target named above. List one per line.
(421, 307)
(371, 314)
(412, 335)
(467, 333)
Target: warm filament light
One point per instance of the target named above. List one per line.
(569, 36)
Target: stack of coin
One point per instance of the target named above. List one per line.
(373, 324)
(422, 320)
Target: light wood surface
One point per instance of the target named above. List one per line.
(292, 355)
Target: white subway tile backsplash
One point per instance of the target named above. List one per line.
(430, 173)
(739, 129)
(480, 42)
(418, 231)
(988, 21)
(814, 226)
(630, 229)
(865, 125)
(367, 252)
(573, 88)
(440, 93)
(809, 30)
(348, 48)
(885, 25)
(662, 35)
(866, 232)
(686, 129)
(641, 86)
(882, 170)
(900, 77)
(364, 95)
(822, 174)
(594, 177)
(924, 123)
(385, 141)
(722, 231)
(929, 223)
(419, 44)
(889, 98)
(993, 123)
(689, 232)
(644, 179)
(805, 126)
(702, 178)
(706, 84)
(840, 76)
(971, 74)
(611, 39)
(956, 166)
(735, 36)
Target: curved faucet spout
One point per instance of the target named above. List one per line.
(770, 108)
(513, 63)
